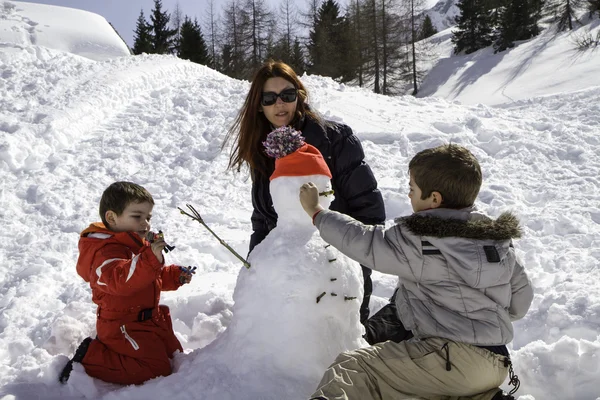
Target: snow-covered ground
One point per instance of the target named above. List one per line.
(29, 26)
(545, 65)
(442, 13)
(70, 126)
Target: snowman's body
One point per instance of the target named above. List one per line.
(296, 308)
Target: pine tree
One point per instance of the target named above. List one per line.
(228, 66)
(566, 10)
(328, 42)
(427, 28)
(594, 7)
(142, 40)
(357, 37)
(321, 46)
(297, 61)
(494, 7)
(163, 37)
(277, 50)
(536, 8)
(517, 21)
(373, 44)
(192, 44)
(349, 59)
(473, 27)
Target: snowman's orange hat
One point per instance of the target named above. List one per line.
(307, 160)
(293, 156)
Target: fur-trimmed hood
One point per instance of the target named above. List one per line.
(478, 226)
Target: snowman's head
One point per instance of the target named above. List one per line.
(296, 163)
(285, 192)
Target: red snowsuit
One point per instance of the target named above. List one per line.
(135, 335)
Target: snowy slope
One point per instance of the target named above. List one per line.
(544, 65)
(61, 28)
(442, 14)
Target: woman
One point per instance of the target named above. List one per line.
(278, 98)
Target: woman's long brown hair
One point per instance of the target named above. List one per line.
(251, 127)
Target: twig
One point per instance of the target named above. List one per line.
(319, 296)
(195, 215)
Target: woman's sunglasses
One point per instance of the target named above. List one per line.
(287, 96)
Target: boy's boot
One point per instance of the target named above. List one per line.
(77, 357)
(502, 396)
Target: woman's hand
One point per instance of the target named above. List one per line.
(309, 198)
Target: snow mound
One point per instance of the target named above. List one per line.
(66, 29)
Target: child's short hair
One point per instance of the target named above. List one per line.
(449, 169)
(119, 195)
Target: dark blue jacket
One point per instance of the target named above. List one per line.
(355, 187)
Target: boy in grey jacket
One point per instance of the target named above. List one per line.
(460, 287)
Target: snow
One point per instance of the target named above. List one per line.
(290, 269)
(443, 13)
(23, 25)
(71, 125)
(548, 64)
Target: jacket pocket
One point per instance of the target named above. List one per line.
(129, 338)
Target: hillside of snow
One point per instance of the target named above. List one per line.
(547, 64)
(23, 25)
(71, 125)
(443, 13)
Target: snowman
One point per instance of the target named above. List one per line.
(297, 307)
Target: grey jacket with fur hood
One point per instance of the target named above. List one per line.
(459, 276)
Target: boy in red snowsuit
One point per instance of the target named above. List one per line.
(135, 338)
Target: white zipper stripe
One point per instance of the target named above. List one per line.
(99, 269)
(134, 261)
(133, 342)
(99, 235)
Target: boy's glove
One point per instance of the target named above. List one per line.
(186, 274)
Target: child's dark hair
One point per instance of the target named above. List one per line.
(449, 169)
(119, 195)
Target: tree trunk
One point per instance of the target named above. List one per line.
(414, 53)
(376, 89)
